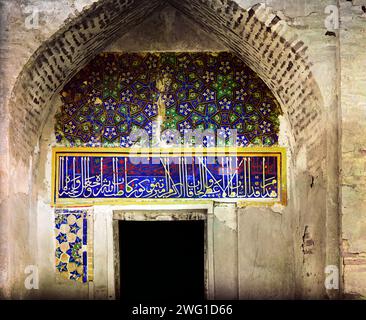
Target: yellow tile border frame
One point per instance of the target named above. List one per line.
(280, 152)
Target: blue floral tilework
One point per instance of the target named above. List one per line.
(71, 254)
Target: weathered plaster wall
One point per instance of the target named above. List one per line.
(353, 150)
(309, 218)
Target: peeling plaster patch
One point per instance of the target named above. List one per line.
(227, 215)
(312, 182)
(285, 132)
(81, 5)
(330, 33)
(157, 215)
(307, 242)
(164, 218)
(21, 171)
(278, 208)
(275, 208)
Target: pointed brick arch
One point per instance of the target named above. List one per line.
(256, 35)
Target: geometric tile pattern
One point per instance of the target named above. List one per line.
(118, 92)
(72, 257)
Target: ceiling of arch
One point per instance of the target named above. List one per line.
(119, 92)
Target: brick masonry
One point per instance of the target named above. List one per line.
(279, 58)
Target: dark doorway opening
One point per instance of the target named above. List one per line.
(162, 260)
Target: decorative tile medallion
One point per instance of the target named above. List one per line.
(73, 253)
(119, 92)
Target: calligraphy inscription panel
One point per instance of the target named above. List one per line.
(106, 175)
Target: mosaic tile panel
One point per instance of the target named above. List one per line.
(73, 255)
(108, 175)
(116, 93)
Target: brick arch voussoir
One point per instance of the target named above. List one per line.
(257, 35)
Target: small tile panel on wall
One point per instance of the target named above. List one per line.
(74, 247)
